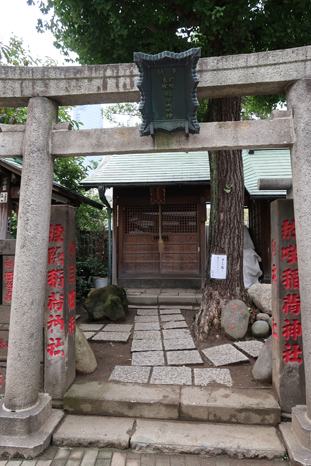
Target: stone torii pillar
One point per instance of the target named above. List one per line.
(297, 435)
(26, 417)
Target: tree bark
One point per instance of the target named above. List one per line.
(226, 234)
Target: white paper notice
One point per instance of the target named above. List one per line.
(219, 266)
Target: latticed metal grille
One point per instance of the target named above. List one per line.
(176, 218)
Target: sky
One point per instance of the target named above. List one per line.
(19, 19)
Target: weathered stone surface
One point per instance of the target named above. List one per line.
(206, 376)
(299, 455)
(130, 374)
(89, 335)
(175, 334)
(252, 347)
(148, 358)
(260, 329)
(183, 357)
(171, 375)
(146, 319)
(261, 294)
(171, 317)
(147, 312)
(147, 335)
(109, 302)
(146, 345)
(90, 327)
(125, 328)
(85, 360)
(169, 311)
(262, 369)
(234, 319)
(224, 354)
(171, 325)
(112, 336)
(147, 326)
(263, 316)
(180, 343)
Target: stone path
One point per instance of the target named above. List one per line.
(65, 456)
(162, 346)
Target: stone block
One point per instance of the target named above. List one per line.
(175, 334)
(171, 317)
(171, 325)
(112, 336)
(206, 376)
(223, 355)
(85, 362)
(171, 376)
(147, 335)
(234, 319)
(146, 345)
(183, 357)
(146, 319)
(179, 344)
(298, 454)
(148, 358)
(124, 328)
(147, 312)
(130, 374)
(91, 327)
(251, 347)
(169, 311)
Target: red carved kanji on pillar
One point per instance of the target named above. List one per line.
(291, 329)
(71, 325)
(289, 254)
(288, 230)
(56, 234)
(292, 355)
(53, 348)
(291, 304)
(290, 279)
(55, 302)
(274, 274)
(55, 321)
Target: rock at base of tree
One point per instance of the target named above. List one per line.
(262, 369)
(261, 294)
(85, 360)
(260, 329)
(109, 302)
(234, 319)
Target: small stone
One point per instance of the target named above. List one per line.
(234, 319)
(109, 302)
(262, 316)
(183, 357)
(260, 329)
(130, 374)
(261, 294)
(171, 375)
(262, 369)
(85, 360)
(148, 358)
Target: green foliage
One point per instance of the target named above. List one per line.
(131, 111)
(69, 171)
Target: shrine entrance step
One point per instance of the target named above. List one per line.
(242, 441)
(180, 403)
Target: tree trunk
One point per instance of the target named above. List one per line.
(226, 234)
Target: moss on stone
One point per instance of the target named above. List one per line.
(109, 302)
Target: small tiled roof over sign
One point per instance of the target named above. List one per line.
(265, 163)
(163, 168)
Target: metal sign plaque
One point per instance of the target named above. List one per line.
(168, 84)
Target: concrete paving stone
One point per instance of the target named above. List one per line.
(111, 336)
(48, 454)
(70, 462)
(171, 375)
(178, 300)
(252, 347)
(183, 357)
(24, 463)
(132, 462)
(63, 453)
(222, 355)
(162, 461)
(3, 463)
(144, 299)
(148, 358)
(146, 319)
(203, 377)
(130, 374)
(180, 344)
(207, 438)
(91, 327)
(175, 334)
(102, 462)
(76, 454)
(58, 462)
(90, 457)
(105, 454)
(171, 317)
(147, 326)
(179, 324)
(14, 462)
(147, 335)
(41, 462)
(118, 328)
(170, 311)
(147, 460)
(146, 345)
(192, 461)
(89, 335)
(99, 431)
(178, 461)
(170, 292)
(147, 312)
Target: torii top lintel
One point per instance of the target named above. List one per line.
(248, 74)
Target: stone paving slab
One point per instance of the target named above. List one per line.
(175, 334)
(146, 345)
(204, 377)
(171, 375)
(207, 438)
(252, 347)
(146, 319)
(91, 327)
(147, 326)
(148, 358)
(89, 335)
(222, 355)
(170, 317)
(170, 311)
(147, 312)
(130, 374)
(112, 336)
(183, 343)
(183, 357)
(179, 324)
(118, 328)
(147, 335)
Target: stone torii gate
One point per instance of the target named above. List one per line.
(26, 417)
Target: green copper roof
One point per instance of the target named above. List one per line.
(187, 167)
